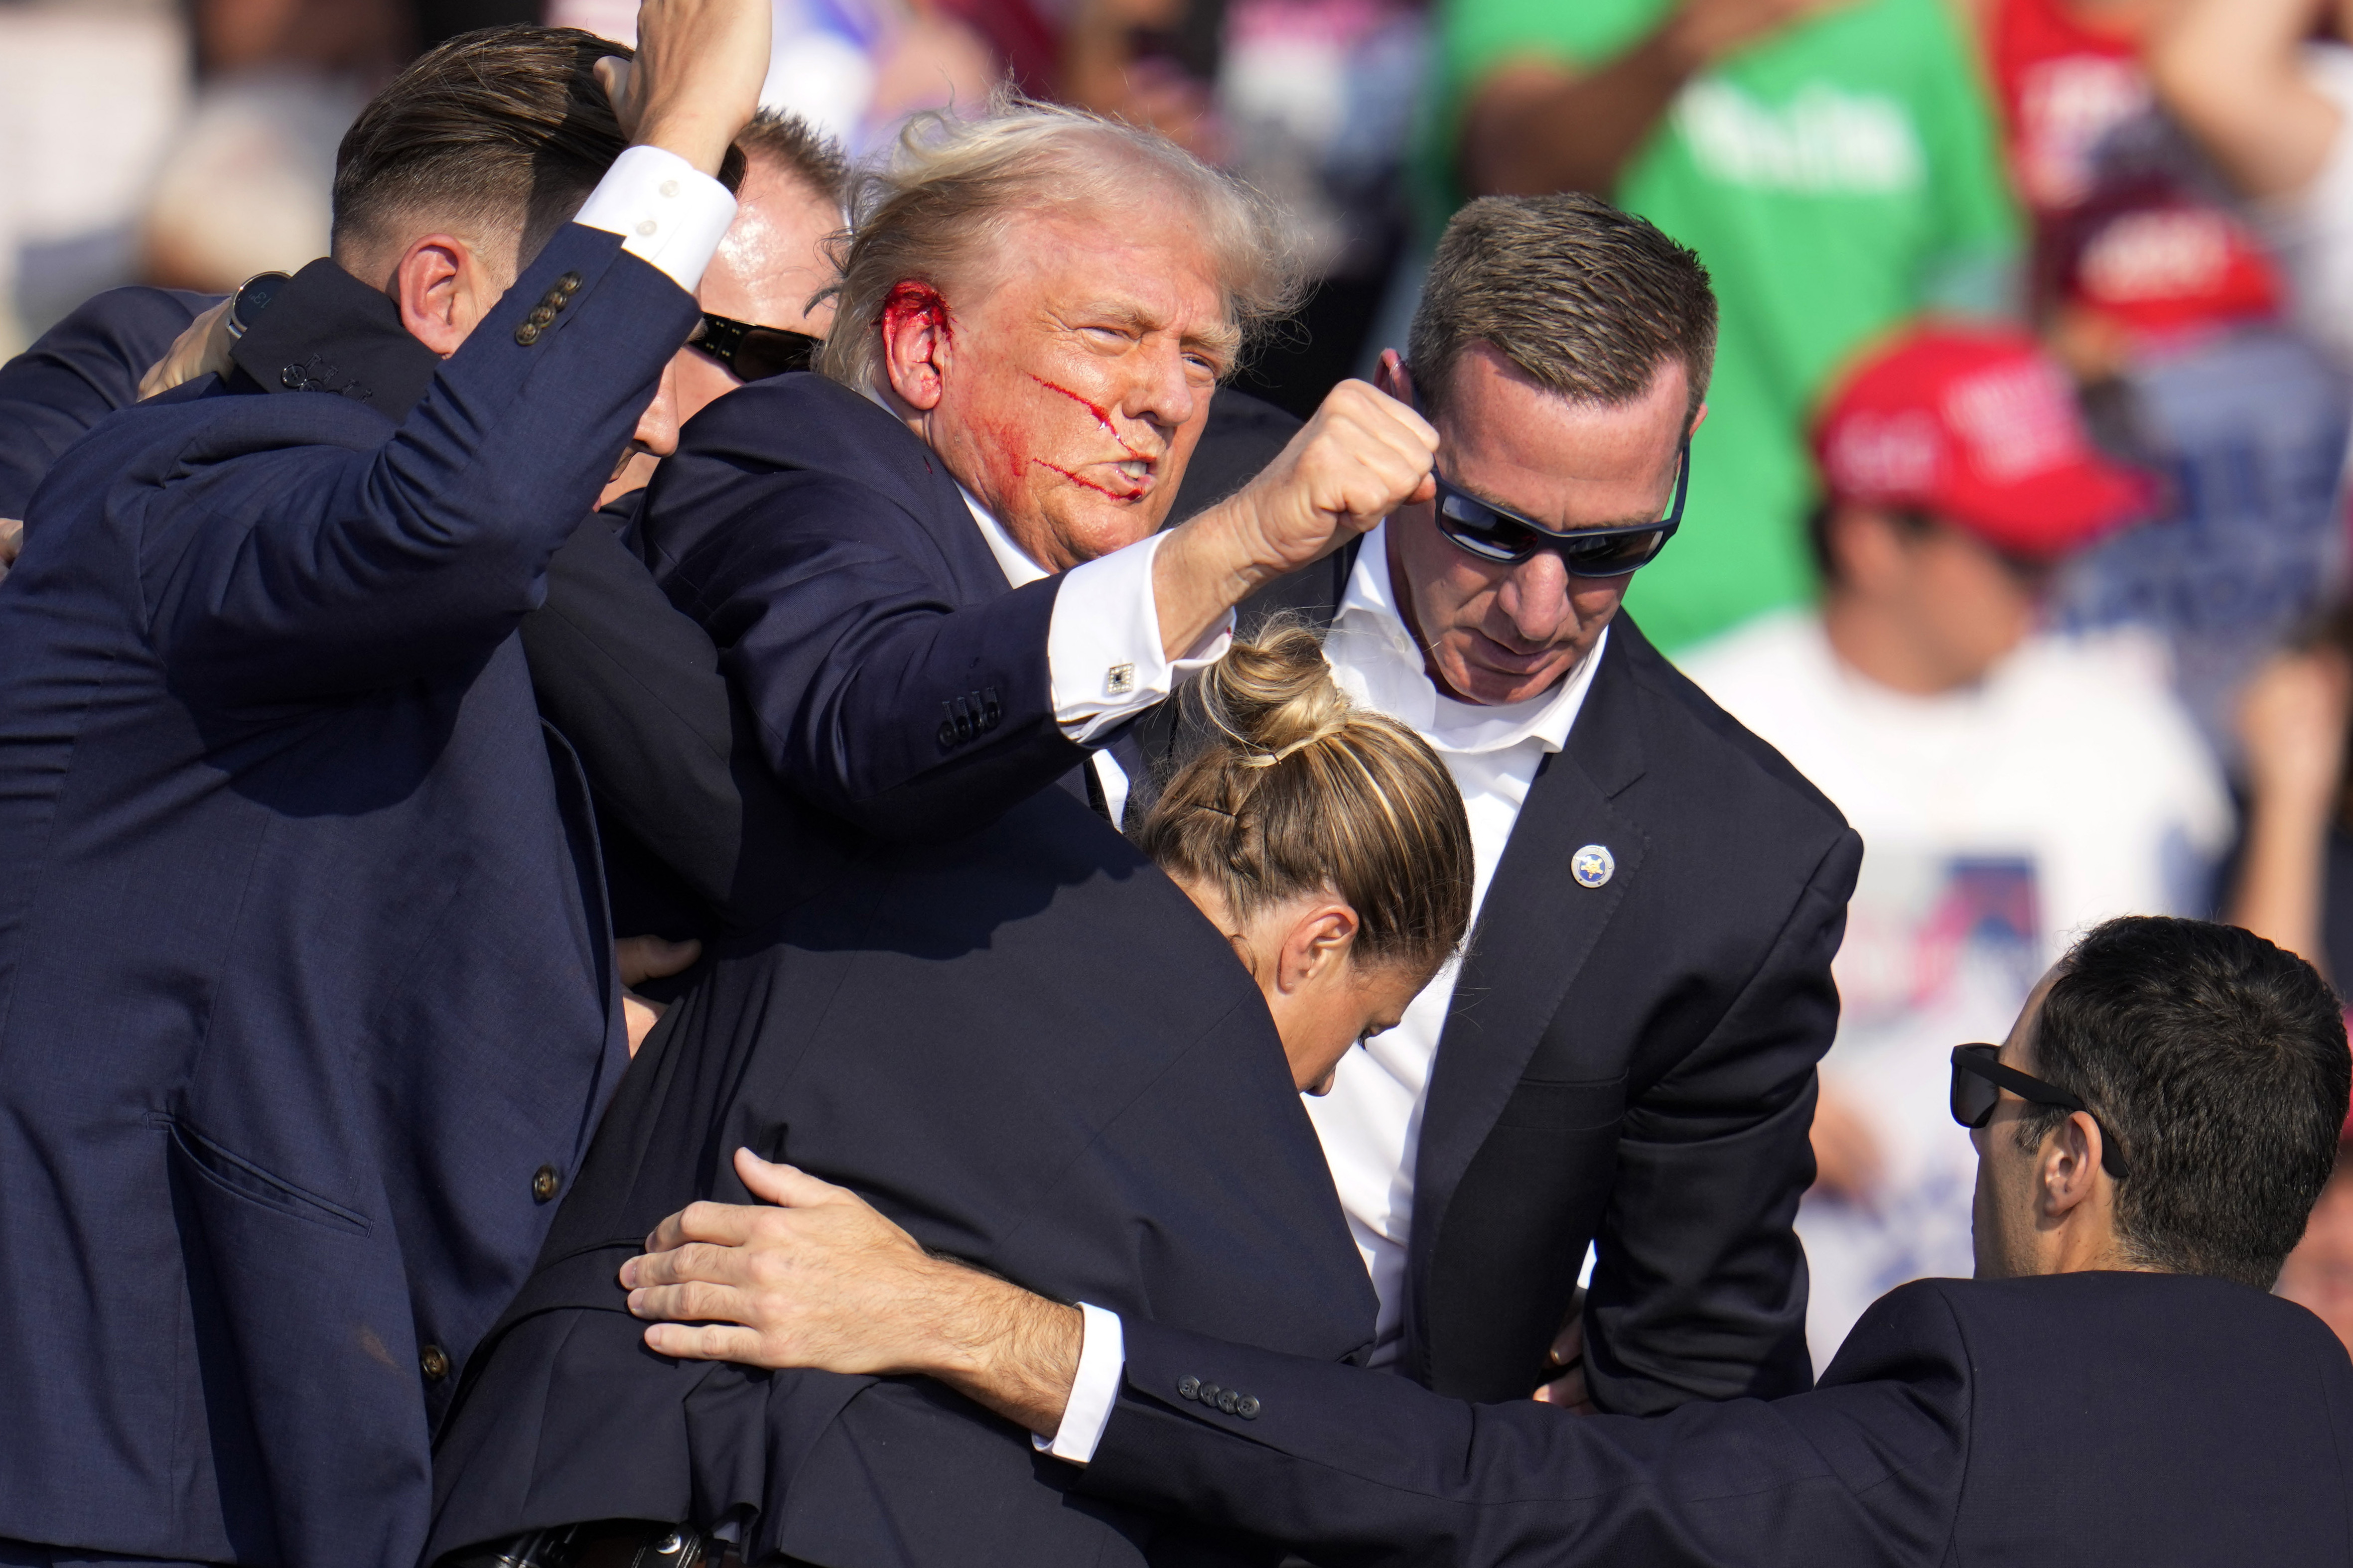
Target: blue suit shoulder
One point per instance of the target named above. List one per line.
(1679, 714)
(77, 372)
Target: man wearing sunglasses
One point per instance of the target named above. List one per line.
(2115, 1385)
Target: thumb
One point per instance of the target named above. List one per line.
(618, 76)
(787, 1186)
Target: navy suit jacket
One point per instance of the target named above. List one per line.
(77, 372)
(1630, 1065)
(305, 1001)
(2152, 1420)
(895, 678)
(1027, 1046)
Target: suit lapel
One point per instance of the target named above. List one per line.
(1537, 927)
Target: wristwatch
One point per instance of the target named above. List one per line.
(252, 297)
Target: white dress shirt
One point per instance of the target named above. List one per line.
(1371, 1121)
(669, 213)
(1103, 660)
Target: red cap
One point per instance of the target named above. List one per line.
(1978, 428)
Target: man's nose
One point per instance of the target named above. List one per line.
(1537, 598)
(1163, 394)
(657, 429)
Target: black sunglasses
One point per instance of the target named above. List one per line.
(1492, 533)
(1978, 1082)
(751, 352)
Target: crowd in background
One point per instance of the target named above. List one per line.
(2031, 733)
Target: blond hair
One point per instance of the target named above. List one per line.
(1301, 791)
(935, 215)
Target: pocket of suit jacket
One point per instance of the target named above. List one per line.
(242, 1178)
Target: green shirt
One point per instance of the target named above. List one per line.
(1836, 177)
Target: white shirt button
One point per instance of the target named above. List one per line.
(648, 226)
(670, 187)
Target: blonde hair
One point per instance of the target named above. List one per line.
(935, 215)
(1302, 792)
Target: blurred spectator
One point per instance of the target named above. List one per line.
(2011, 787)
(2162, 297)
(91, 95)
(1835, 165)
(852, 68)
(2294, 877)
(1315, 99)
(2268, 100)
(2318, 1274)
(246, 186)
(2295, 885)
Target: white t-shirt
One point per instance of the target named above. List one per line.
(1997, 823)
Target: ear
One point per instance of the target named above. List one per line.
(1392, 377)
(436, 285)
(918, 340)
(2069, 1166)
(1866, 546)
(1317, 945)
(1698, 419)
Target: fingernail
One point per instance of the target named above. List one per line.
(630, 1273)
(637, 1300)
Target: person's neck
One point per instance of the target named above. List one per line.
(1881, 643)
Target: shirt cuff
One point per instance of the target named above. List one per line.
(668, 212)
(1102, 648)
(1102, 1361)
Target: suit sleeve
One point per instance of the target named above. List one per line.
(1699, 1288)
(879, 698)
(314, 570)
(1355, 1468)
(77, 372)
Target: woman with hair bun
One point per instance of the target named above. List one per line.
(1030, 1048)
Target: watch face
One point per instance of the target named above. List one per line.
(255, 297)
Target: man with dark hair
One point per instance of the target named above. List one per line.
(2115, 1385)
(1625, 1060)
(309, 1002)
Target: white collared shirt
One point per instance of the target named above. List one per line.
(1103, 658)
(1371, 1121)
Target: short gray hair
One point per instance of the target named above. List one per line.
(1583, 300)
(935, 214)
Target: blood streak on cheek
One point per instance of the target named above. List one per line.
(1136, 494)
(917, 302)
(1103, 417)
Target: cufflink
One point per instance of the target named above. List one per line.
(1119, 680)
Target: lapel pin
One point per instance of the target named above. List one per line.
(1592, 865)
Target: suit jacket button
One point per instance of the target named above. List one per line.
(434, 1362)
(1188, 1386)
(546, 1183)
(527, 335)
(541, 315)
(1209, 1394)
(569, 283)
(1227, 1400)
(1249, 1407)
(948, 734)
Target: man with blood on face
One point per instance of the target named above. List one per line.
(937, 571)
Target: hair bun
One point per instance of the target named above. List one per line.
(1276, 696)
